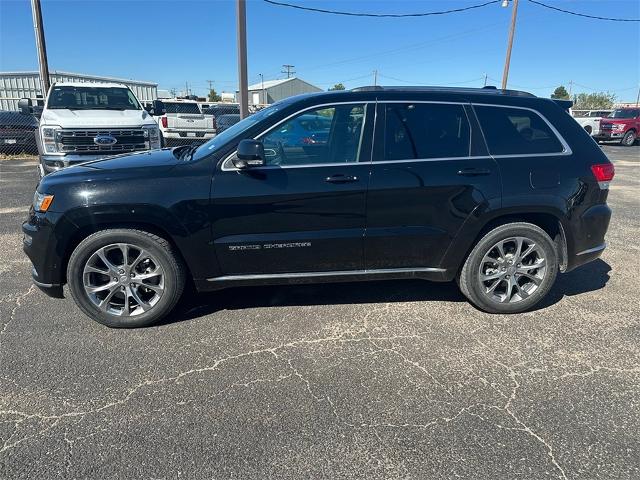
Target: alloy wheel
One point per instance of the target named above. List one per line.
(124, 280)
(512, 270)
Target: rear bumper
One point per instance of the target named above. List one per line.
(188, 134)
(588, 236)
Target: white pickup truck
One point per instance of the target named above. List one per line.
(184, 123)
(590, 119)
(89, 121)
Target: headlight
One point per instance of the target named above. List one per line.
(50, 137)
(152, 136)
(41, 202)
(618, 126)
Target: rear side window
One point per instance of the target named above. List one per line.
(182, 108)
(425, 130)
(515, 131)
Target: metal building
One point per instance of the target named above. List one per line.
(17, 85)
(271, 91)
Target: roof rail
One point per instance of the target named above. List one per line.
(486, 90)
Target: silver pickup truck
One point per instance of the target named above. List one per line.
(184, 123)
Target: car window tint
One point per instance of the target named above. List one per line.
(425, 130)
(513, 131)
(325, 135)
(189, 108)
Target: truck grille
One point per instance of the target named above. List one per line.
(81, 141)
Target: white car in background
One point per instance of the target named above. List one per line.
(590, 119)
(183, 123)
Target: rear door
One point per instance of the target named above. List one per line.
(430, 173)
(304, 211)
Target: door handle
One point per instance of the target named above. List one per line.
(341, 179)
(474, 172)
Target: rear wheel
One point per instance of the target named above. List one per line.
(629, 138)
(125, 278)
(510, 269)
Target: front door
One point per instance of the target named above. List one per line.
(430, 172)
(304, 211)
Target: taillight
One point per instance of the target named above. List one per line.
(164, 122)
(603, 172)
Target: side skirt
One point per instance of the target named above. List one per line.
(226, 281)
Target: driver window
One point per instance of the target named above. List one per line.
(325, 135)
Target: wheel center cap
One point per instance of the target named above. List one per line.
(124, 279)
(511, 270)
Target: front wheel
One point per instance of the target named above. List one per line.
(125, 278)
(510, 269)
(629, 139)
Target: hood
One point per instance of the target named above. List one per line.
(96, 118)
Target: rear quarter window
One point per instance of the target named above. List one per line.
(516, 131)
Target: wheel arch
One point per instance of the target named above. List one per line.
(547, 219)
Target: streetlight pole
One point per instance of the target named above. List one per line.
(40, 46)
(512, 31)
(243, 87)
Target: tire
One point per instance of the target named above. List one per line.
(138, 293)
(629, 139)
(527, 284)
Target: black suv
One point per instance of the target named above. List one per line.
(495, 189)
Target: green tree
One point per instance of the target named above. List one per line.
(337, 86)
(593, 101)
(213, 96)
(560, 92)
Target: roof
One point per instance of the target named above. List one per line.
(488, 90)
(270, 83)
(82, 75)
(89, 84)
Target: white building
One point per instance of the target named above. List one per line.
(271, 91)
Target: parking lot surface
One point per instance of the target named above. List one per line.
(400, 379)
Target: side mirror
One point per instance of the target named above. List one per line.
(157, 108)
(24, 104)
(250, 154)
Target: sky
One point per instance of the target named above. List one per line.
(171, 42)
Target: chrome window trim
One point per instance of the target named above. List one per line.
(566, 149)
(335, 273)
(565, 152)
(225, 163)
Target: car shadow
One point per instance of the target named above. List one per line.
(587, 278)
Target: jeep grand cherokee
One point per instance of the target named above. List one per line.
(496, 189)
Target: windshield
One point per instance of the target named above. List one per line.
(92, 98)
(625, 113)
(242, 126)
(185, 107)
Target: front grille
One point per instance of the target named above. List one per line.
(606, 126)
(81, 141)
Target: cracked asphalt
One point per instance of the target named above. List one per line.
(385, 380)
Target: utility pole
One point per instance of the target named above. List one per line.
(485, 80)
(638, 97)
(243, 86)
(570, 87)
(375, 78)
(40, 46)
(262, 88)
(288, 70)
(512, 31)
(186, 89)
(210, 82)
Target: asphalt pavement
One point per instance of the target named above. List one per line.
(399, 379)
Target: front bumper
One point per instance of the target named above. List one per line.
(605, 135)
(40, 244)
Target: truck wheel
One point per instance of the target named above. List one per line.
(125, 278)
(588, 129)
(510, 269)
(629, 139)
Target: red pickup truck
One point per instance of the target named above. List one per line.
(623, 124)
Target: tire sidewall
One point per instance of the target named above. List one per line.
(90, 245)
(501, 233)
(627, 136)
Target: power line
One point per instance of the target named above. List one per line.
(288, 69)
(380, 15)
(610, 19)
